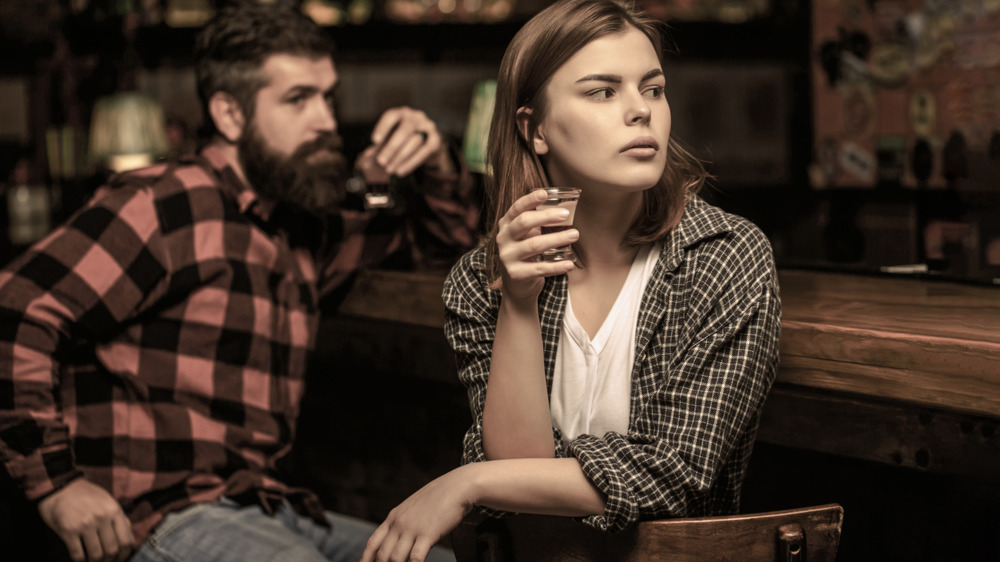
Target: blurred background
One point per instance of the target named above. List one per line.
(861, 135)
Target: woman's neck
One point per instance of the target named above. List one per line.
(603, 220)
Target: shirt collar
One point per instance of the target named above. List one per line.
(700, 221)
(245, 195)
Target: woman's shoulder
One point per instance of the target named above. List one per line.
(732, 233)
(468, 275)
(702, 217)
(724, 245)
(470, 264)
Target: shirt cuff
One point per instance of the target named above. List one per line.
(434, 182)
(604, 471)
(40, 474)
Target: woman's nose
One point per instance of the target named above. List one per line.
(638, 111)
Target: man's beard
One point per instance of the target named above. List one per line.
(312, 178)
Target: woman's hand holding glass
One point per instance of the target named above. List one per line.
(520, 241)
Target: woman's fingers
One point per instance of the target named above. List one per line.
(402, 550)
(520, 236)
(524, 215)
(374, 543)
(386, 548)
(421, 547)
(513, 252)
(522, 204)
(536, 219)
(390, 542)
(525, 271)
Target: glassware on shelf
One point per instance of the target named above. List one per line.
(440, 11)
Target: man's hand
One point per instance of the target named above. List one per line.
(403, 140)
(89, 521)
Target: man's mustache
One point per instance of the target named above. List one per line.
(331, 142)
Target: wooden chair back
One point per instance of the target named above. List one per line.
(796, 535)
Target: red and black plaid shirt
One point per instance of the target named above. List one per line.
(157, 342)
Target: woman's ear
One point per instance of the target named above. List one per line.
(227, 115)
(530, 131)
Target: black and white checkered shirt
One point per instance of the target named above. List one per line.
(706, 355)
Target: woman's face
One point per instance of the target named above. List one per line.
(608, 121)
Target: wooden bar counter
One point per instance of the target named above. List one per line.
(922, 342)
(897, 370)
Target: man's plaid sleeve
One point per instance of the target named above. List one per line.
(78, 283)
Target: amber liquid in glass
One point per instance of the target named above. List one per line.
(567, 200)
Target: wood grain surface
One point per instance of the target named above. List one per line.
(927, 343)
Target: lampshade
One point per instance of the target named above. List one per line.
(127, 131)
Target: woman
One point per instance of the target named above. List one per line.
(627, 385)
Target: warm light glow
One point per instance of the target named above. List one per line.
(127, 130)
(477, 129)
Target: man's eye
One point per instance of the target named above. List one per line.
(296, 100)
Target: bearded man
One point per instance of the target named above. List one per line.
(153, 348)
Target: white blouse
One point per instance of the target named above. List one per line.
(592, 382)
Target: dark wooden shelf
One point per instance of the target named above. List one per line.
(785, 38)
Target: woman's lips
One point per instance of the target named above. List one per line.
(642, 147)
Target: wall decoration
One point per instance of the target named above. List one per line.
(893, 80)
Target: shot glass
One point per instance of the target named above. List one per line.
(565, 197)
(372, 182)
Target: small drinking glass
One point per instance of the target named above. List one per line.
(373, 183)
(566, 198)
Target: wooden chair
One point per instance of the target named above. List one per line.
(808, 534)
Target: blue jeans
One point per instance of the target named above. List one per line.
(227, 532)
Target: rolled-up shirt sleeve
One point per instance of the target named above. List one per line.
(440, 223)
(710, 400)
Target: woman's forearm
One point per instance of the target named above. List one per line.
(542, 486)
(516, 418)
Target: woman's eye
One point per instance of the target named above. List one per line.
(601, 93)
(655, 91)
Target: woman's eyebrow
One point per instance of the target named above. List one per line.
(616, 78)
(652, 74)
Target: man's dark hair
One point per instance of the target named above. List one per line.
(232, 47)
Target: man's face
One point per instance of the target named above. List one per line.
(289, 149)
(296, 105)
